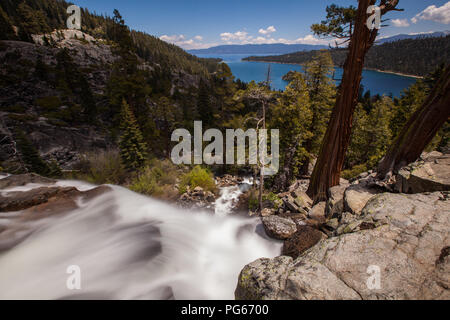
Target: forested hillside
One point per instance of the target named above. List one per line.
(411, 56)
(43, 16)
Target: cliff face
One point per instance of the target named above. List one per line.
(30, 97)
(44, 94)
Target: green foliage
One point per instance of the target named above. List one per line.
(156, 179)
(31, 21)
(133, 149)
(322, 96)
(50, 103)
(146, 183)
(371, 134)
(292, 115)
(273, 198)
(170, 56)
(253, 202)
(354, 172)
(6, 27)
(198, 177)
(15, 108)
(30, 155)
(204, 107)
(337, 22)
(22, 117)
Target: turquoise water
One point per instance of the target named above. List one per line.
(376, 82)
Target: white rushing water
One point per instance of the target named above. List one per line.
(132, 247)
(229, 196)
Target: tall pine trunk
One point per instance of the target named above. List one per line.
(420, 129)
(329, 164)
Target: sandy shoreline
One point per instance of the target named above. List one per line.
(370, 69)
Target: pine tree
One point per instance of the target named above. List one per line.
(30, 156)
(31, 22)
(6, 28)
(224, 91)
(292, 115)
(204, 105)
(133, 149)
(322, 93)
(371, 134)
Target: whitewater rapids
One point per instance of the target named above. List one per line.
(129, 246)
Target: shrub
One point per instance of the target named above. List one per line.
(273, 198)
(30, 155)
(50, 103)
(157, 179)
(15, 109)
(22, 117)
(253, 202)
(103, 167)
(146, 182)
(354, 172)
(198, 177)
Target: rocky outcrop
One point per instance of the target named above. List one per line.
(318, 212)
(19, 210)
(197, 198)
(305, 238)
(404, 237)
(24, 179)
(356, 196)
(278, 227)
(228, 180)
(428, 174)
(335, 202)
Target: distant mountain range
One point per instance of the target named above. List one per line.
(280, 48)
(276, 48)
(435, 34)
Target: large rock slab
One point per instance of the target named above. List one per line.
(335, 202)
(24, 179)
(318, 212)
(356, 197)
(305, 238)
(430, 174)
(409, 247)
(278, 227)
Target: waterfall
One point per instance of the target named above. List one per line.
(129, 246)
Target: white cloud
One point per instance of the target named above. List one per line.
(187, 44)
(400, 23)
(172, 39)
(310, 39)
(267, 31)
(241, 36)
(436, 14)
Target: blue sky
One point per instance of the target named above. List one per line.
(201, 24)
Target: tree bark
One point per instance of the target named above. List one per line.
(420, 129)
(261, 171)
(329, 164)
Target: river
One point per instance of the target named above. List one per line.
(128, 246)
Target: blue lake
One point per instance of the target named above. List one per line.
(377, 82)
